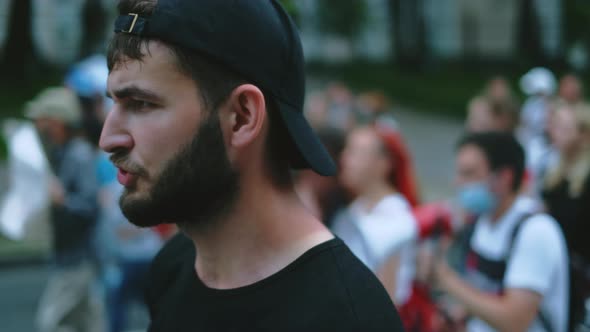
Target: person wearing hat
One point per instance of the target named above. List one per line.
(206, 126)
(68, 302)
(539, 85)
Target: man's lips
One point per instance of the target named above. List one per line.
(125, 178)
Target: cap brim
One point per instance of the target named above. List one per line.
(311, 152)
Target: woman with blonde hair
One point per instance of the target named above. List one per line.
(566, 192)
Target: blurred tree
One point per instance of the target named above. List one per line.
(342, 18)
(18, 49)
(577, 13)
(95, 19)
(409, 31)
(529, 34)
(576, 29)
(3, 149)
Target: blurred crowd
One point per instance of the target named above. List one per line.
(99, 261)
(505, 252)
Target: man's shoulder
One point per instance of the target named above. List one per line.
(541, 230)
(327, 288)
(539, 233)
(525, 222)
(368, 300)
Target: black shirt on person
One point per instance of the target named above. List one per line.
(326, 289)
(573, 215)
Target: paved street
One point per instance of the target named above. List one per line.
(19, 292)
(20, 289)
(431, 140)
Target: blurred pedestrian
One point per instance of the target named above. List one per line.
(88, 79)
(316, 110)
(498, 91)
(68, 302)
(480, 117)
(207, 125)
(496, 109)
(571, 89)
(485, 114)
(379, 226)
(340, 114)
(133, 251)
(374, 106)
(566, 193)
(515, 271)
(539, 85)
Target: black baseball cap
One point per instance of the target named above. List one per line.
(255, 38)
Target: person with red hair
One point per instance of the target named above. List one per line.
(401, 175)
(379, 226)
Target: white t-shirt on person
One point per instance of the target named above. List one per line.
(538, 261)
(376, 235)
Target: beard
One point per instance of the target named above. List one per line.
(197, 186)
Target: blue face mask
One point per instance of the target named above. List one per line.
(476, 198)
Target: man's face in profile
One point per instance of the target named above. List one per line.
(169, 149)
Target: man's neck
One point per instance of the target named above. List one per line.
(267, 230)
(503, 207)
(309, 197)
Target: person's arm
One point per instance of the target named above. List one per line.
(388, 275)
(513, 311)
(534, 261)
(83, 201)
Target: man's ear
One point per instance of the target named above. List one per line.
(247, 114)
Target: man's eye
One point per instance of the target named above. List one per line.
(138, 105)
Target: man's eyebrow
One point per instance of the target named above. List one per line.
(134, 92)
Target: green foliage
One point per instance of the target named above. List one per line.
(291, 9)
(440, 90)
(576, 18)
(3, 149)
(289, 6)
(344, 18)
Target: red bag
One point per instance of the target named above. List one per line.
(419, 313)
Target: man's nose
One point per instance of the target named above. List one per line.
(114, 135)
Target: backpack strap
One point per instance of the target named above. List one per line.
(515, 231)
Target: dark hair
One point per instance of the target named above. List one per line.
(502, 150)
(215, 83)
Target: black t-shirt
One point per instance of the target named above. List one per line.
(326, 289)
(572, 214)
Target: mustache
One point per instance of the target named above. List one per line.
(122, 160)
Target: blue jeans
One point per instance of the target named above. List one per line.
(131, 288)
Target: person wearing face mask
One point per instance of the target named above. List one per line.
(515, 274)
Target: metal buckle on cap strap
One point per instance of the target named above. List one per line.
(130, 30)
